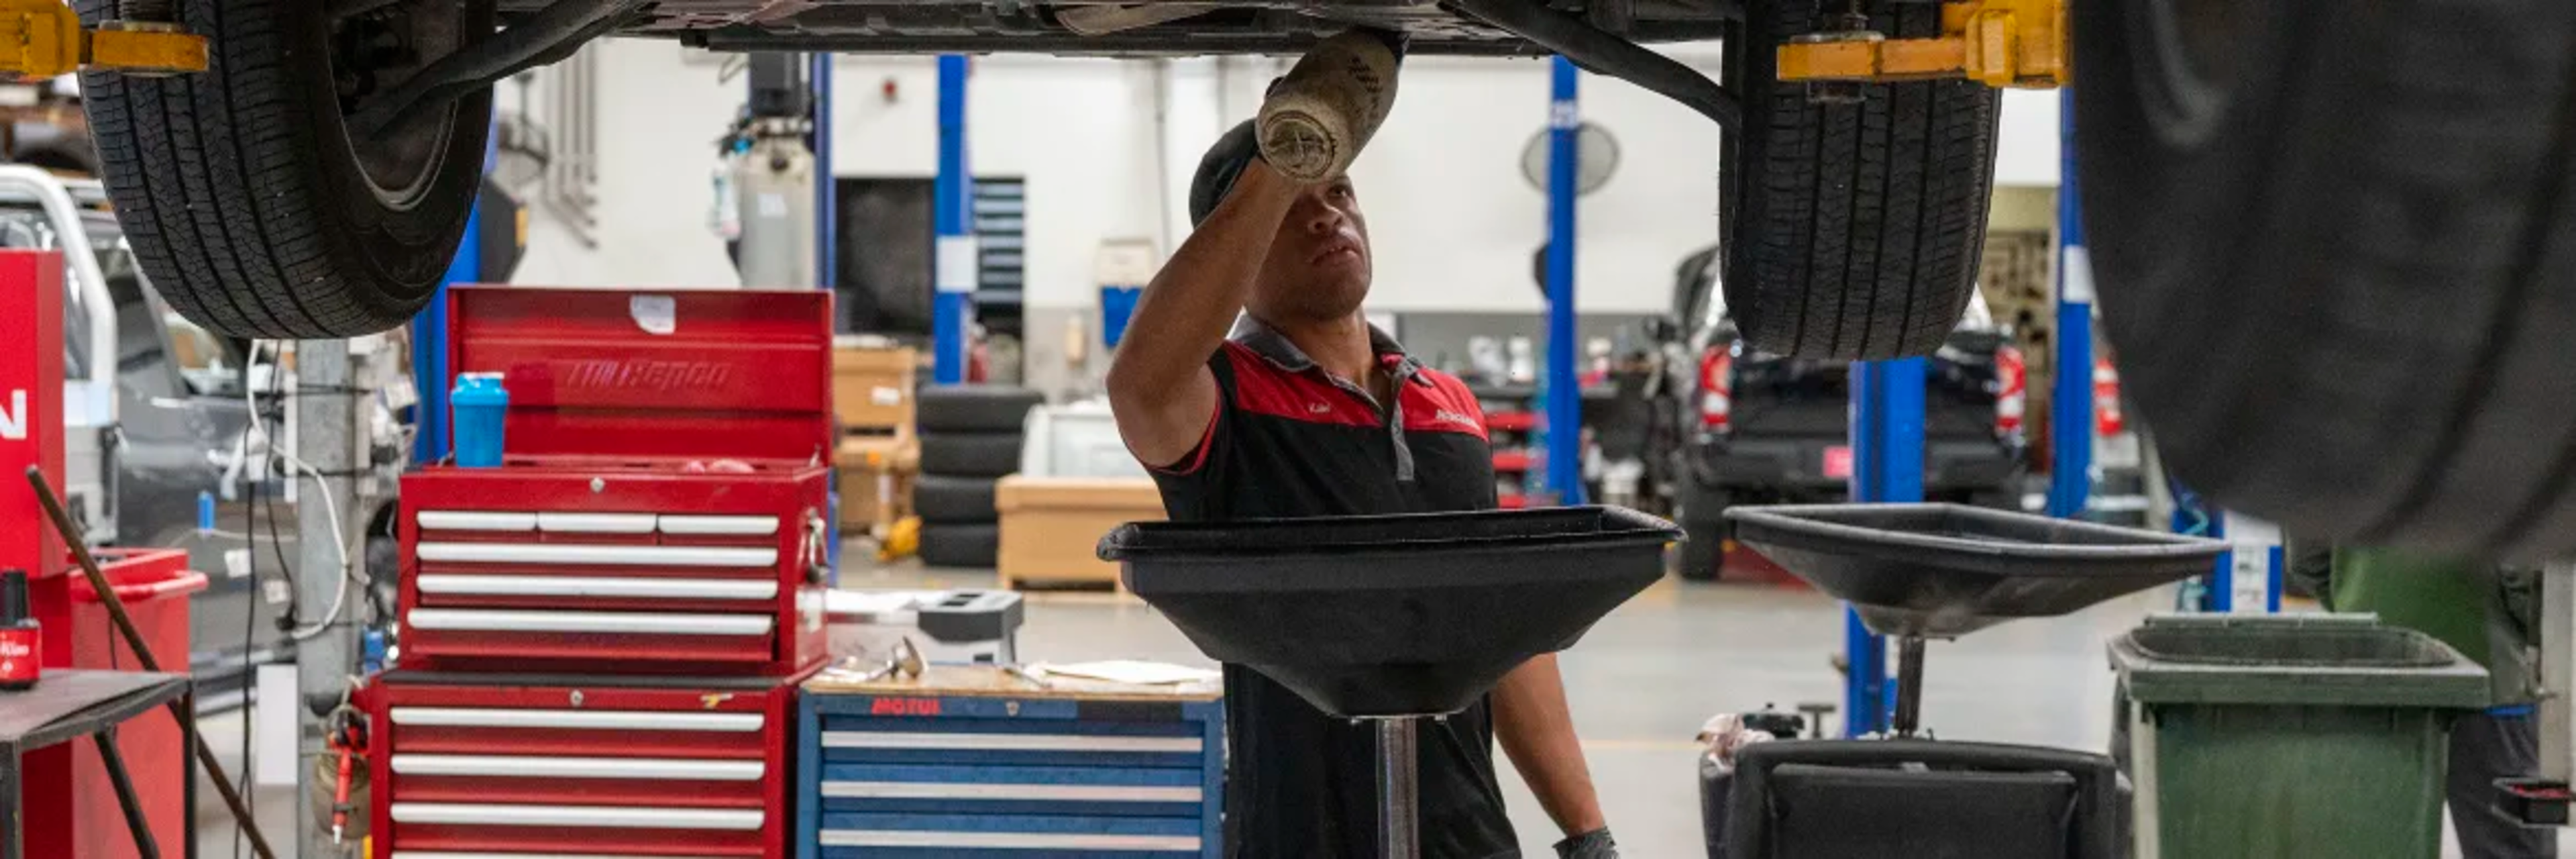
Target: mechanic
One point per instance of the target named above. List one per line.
(2489, 613)
(1307, 410)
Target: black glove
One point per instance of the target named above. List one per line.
(1596, 844)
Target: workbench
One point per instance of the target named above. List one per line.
(964, 759)
(68, 704)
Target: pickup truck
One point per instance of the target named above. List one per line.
(1772, 429)
(2330, 237)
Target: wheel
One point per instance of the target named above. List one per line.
(1852, 231)
(969, 546)
(941, 500)
(2334, 244)
(970, 454)
(974, 408)
(251, 207)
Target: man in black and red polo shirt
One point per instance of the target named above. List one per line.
(1308, 411)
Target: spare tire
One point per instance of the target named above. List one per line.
(968, 546)
(1851, 231)
(2336, 245)
(970, 454)
(939, 499)
(974, 408)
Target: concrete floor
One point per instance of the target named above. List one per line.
(1641, 683)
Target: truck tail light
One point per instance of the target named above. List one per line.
(2108, 420)
(1716, 388)
(2011, 383)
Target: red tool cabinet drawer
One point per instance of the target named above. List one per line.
(594, 566)
(514, 764)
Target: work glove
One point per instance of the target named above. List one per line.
(1595, 844)
(1318, 116)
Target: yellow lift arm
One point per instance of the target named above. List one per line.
(2001, 43)
(44, 38)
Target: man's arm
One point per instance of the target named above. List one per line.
(1536, 730)
(1160, 390)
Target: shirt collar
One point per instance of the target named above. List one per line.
(1277, 349)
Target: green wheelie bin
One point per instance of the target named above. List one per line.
(2289, 736)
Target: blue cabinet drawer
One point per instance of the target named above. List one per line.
(979, 775)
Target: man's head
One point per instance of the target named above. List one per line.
(1318, 267)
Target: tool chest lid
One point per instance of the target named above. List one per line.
(681, 373)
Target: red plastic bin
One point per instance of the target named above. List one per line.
(155, 585)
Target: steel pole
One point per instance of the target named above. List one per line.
(1399, 824)
(327, 439)
(1564, 406)
(953, 213)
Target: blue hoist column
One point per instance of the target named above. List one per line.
(953, 269)
(1887, 467)
(1564, 404)
(2070, 399)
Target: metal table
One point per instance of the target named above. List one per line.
(68, 704)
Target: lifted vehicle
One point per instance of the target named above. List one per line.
(1772, 429)
(2333, 238)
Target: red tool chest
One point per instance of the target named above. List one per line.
(486, 764)
(662, 505)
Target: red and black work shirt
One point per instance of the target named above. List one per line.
(1290, 440)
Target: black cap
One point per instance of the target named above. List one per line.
(1223, 163)
(13, 597)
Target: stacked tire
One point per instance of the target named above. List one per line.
(970, 438)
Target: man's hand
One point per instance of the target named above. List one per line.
(1315, 119)
(1536, 730)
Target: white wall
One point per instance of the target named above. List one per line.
(1452, 220)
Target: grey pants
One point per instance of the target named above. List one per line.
(2485, 748)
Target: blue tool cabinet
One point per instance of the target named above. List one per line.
(971, 761)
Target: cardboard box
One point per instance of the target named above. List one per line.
(876, 480)
(1051, 526)
(872, 386)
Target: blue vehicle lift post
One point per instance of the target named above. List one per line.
(2070, 399)
(1887, 467)
(1564, 406)
(953, 215)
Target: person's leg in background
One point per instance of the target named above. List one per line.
(2486, 746)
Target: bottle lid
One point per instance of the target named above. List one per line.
(13, 597)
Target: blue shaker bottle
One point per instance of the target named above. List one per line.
(479, 404)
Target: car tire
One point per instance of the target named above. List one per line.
(1852, 231)
(975, 408)
(963, 546)
(943, 500)
(2337, 248)
(249, 207)
(970, 454)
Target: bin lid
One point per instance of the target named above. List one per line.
(696, 373)
(2301, 659)
(1408, 615)
(1944, 570)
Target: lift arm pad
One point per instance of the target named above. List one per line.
(44, 38)
(2000, 43)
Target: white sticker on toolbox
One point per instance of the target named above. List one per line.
(604, 816)
(526, 766)
(749, 526)
(656, 314)
(1005, 840)
(476, 520)
(631, 623)
(599, 586)
(588, 555)
(964, 790)
(596, 523)
(1007, 742)
(609, 720)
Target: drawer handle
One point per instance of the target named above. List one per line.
(476, 520)
(579, 554)
(1008, 742)
(1005, 840)
(720, 526)
(600, 586)
(513, 766)
(1021, 792)
(596, 816)
(607, 720)
(631, 623)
